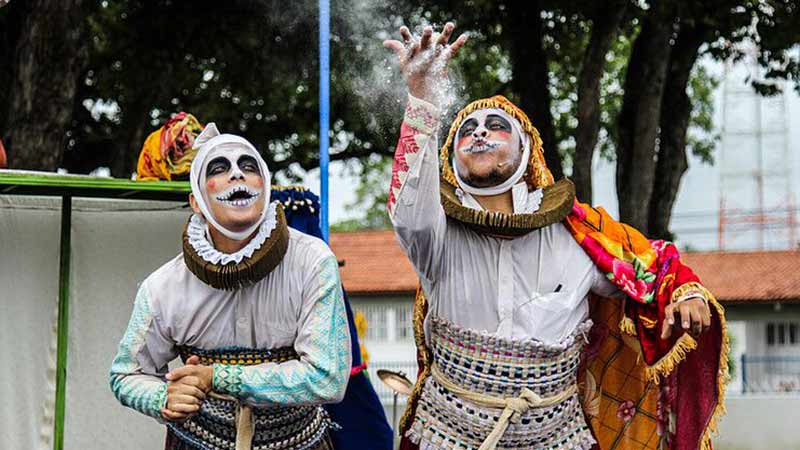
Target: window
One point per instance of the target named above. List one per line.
(376, 322)
(405, 321)
(387, 321)
(782, 334)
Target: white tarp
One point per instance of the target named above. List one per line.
(115, 245)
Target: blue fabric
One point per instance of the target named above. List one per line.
(360, 414)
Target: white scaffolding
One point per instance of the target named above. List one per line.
(757, 207)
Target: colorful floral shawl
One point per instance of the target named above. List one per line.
(638, 391)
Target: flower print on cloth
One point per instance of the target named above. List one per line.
(627, 258)
(626, 411)
(665, 414)
(633, 279)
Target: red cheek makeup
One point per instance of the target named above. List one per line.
(501, 135)
(466, 140)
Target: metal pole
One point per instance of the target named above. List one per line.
(744, 374)
(63, 321)
(324, 111)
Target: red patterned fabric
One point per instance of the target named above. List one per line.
(419, 120)
(652, 274)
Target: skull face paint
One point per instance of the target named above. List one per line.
(233, 187)
(228, 190)
(488, 148)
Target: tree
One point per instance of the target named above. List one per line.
(567, 67)
(251, 66)
(47, 58)
(606, 22)
(638, 121)
(700, 27)
(529, 63)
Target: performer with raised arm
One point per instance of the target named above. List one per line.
(541, 322)
(254, 309)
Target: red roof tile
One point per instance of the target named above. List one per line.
(748, 276)
(374, 263)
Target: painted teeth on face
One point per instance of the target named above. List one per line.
(248, 197)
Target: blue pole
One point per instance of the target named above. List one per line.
(324, 111)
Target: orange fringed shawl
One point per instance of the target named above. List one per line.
(638, 391)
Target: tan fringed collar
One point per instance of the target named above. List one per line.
(557, 201)
(250, 270)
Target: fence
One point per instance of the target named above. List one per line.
(770, 374)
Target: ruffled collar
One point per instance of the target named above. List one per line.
(199, 239)
(247, 266)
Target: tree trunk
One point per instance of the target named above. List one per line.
(530, 80)
(135, 121)
(605, 25)
(48, 60)
(10, 28)
(676, 109)
(639, 117)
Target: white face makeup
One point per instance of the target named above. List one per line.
(485, 130)
(490, 152)
(230, 183)
(233, 186)
(233, 164)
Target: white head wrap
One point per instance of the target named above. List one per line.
(523, 162)
(207, 141)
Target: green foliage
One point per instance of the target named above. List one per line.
(251, 67)
(565, 66)
(484, 69)
(702, 137)
(776, 30)
(372, 194)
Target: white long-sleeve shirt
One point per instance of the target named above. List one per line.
(533, 286)
(299, 304)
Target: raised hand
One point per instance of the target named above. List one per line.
(423, 59)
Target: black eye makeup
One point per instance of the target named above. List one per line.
(217, 166)
(248, 164)
(468, 127)
(494, 122)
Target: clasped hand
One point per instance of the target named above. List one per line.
(187, 387)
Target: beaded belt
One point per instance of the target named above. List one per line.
(224, 422)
